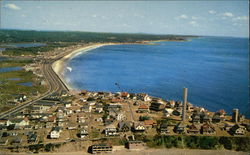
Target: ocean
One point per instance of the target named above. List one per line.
(214, 69)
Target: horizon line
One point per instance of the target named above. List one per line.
(145, 33)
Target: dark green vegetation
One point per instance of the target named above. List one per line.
(15, 36)
(63, 39)
(33, 50)
(199, 142)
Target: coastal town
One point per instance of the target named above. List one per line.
(100, 121)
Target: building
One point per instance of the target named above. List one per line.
(195, 118)
(143, 97)
(19, 122)
(216, 118)
(55, 132)
(238, 130)
(83, 133)
(180, 128)
(150, 123)
(193, 129)
(163, 129)
(207, 129)
(99, 148)
(138, 127)
(143, 109)
(156, 106)
(125, 95)
(32, 138)
(124, 126)
(110, 130)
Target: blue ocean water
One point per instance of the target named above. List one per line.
(214, 69)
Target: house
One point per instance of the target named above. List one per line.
(99, 148)
(19, 122)
(110, 130)
(99, 108)
(195, 118)
(163, 129)
(170, 104)
(45, 104)
(216, 118)
(193, 129)
(168, 112)
(124, 126)
(114, 106)
(180, 128)
(17, 139)
(138, 127)
(205, 118)
(4, 140)
(207, 129)
(143, 97)
(125, 95)
(20, 98)
(143, 109)
(51, 119)
(83, 133)
(150, 123)
(67, 104)
(237, 130)
(3, 121)
(157, 106)
(222, 112)
(55, 132)
(86, 108)
(32, 138)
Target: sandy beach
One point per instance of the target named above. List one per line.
(60, 66)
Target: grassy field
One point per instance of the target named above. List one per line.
(9, 88)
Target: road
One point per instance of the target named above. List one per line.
(54, 82)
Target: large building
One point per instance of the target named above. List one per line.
(101, 148)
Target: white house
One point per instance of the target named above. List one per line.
(18, 121)
(55, 132)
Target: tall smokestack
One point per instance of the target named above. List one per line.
(235, 116)
(184, 107)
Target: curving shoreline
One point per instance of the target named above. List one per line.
(60, 65)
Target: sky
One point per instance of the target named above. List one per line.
(199, 17)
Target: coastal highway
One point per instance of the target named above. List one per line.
(54, 82)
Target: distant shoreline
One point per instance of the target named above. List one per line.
(60, 65)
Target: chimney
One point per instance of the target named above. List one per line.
(184, 107)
